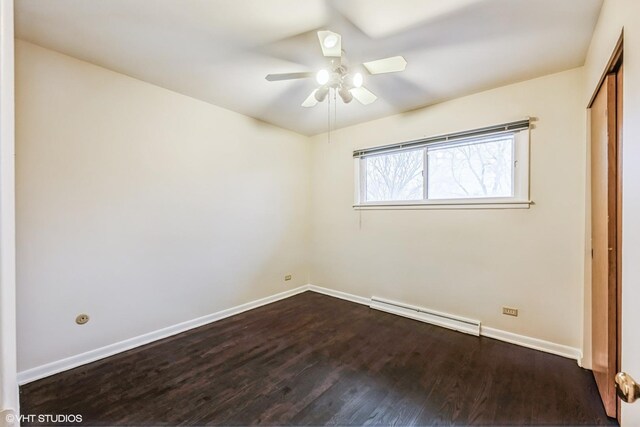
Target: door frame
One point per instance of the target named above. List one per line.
(615, 65)
(9, 396)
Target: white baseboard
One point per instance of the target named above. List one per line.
(534, 343)
(58, 366)
(339, 294)
(52, 368)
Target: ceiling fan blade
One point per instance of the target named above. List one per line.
(288, 76)
(311, 100)
(386, 65)
(331, 43)
(363, 95)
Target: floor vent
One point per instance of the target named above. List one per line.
(462, 324)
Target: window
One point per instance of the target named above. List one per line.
(486, 171)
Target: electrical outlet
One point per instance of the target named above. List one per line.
(287, 277)
(81, 319)
(510, 311)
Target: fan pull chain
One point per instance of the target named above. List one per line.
(329, 118)
(335, 108)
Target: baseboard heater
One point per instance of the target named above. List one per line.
(462, 324)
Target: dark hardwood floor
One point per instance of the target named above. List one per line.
(313, 360)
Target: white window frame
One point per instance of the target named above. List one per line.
(519, 200)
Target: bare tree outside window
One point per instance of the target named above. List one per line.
(482, 169)
(396, 176)
(478, 169)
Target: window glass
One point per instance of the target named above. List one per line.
(471, 170)
(395, 176)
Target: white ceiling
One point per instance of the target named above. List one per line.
(219, 51)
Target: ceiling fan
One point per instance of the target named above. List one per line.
(338, 76)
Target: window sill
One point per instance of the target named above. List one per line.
(484, 204)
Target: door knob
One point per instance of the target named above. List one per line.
(626, 388)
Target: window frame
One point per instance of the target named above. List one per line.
(521, 176)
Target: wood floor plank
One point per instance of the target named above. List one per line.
(317, 360)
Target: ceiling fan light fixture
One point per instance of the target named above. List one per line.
(330, 41)
(321, 93)
(337, 76)
(357, 80)
(322, 77)
(346, 96)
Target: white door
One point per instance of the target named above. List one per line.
(630, 343)
(630, 361)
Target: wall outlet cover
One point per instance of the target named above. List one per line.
(510, 311)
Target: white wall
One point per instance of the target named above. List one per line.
(8, 383)
(143, 207)
(616, 15)
(466, 262)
